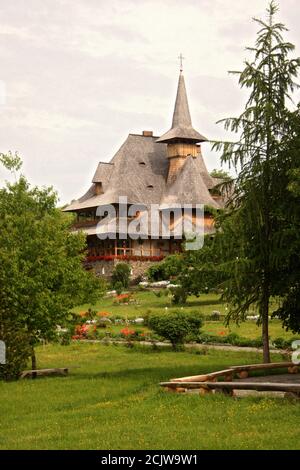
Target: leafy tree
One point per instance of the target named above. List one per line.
(251, 238)
(195, 271)
(41, 272)
(201, 269)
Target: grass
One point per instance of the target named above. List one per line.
(148, 302)
(113, 402)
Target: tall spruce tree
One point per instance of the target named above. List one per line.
(288, 215)
(250, 239)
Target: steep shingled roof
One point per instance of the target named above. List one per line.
(103, 174)
(189, 187)
(139, 170)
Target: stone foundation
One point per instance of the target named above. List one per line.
(105, 268)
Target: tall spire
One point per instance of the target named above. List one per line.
(181, 116)
(182, 124)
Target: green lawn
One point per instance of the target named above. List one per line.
(148, 302)
(113, 402)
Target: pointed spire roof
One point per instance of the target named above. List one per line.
(182, 124)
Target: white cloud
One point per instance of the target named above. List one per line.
(79, 76)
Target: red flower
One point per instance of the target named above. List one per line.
(127, 332)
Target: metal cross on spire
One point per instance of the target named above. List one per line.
(181, 58)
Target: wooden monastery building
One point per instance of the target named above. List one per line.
(166, 171)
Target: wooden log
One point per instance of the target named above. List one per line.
(259, 386)
(271, 365)
(175, 389)
(44, 373)
(205, 377)
(228, 377)
(186, 385)
(170, 389)
(243, 374)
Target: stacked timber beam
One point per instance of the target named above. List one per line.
(206, 383)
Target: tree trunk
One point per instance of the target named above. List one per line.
(33, 359)
(265, 325)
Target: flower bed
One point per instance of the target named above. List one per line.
(91, 259)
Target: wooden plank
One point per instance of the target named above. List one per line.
(259, 386)
(205, 377)
(271, 365)
(188, 385)
(44, 372)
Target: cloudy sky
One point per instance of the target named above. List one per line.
(77, 76)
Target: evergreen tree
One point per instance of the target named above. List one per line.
(250, 240)
(288, 216)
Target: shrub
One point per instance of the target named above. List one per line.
(176, 326)
(170, 267)
(156, 272)
(179, 295)
(233, 338)
(281, 343)
(173, 265)
(118, 287)
(215, 316)
(121, 275)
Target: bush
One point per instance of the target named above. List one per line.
(281, 343)
(121, 276)
(118, 287)
(215, 316)
(176, 326)
(233, 339)
(156, 272)
(179, 295)
(169, 268)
